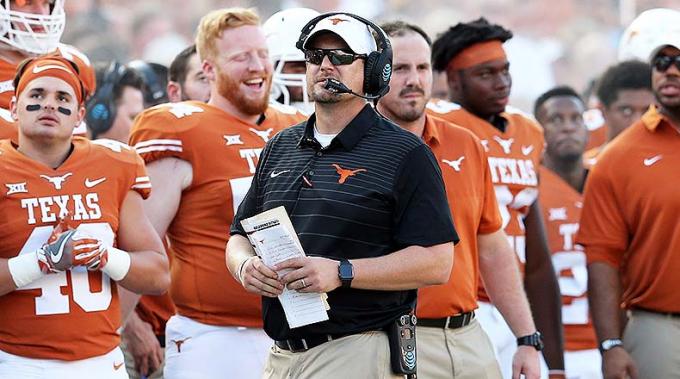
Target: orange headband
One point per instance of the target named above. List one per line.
(55, 67)
(478, 53)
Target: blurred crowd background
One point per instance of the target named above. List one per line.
(556, 42)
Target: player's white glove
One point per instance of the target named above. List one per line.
(91, 252)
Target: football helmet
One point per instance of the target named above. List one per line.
(639, 38)
(32, 33)
(282, 31)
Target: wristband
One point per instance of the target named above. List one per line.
(118, 264)
(24, 269)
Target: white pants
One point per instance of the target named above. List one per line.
(199, 351)
(108, 366)
(502, 338)
(583, 364)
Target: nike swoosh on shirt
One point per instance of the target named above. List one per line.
(526, 150)
(274, 174)
(91, 183)
(650, 161)
(116, 366)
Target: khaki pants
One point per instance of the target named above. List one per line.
(132, 370)
(365, 356)
(464, 353)
(653, 340)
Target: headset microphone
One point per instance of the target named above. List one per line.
(337, 86)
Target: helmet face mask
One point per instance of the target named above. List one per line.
(282, 30)
(32, 33)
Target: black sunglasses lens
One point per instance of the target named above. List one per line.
(340, 58)
(314, 56)
(663, 63)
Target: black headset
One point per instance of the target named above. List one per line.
(155, 79)
(378, 66)
(101, 107)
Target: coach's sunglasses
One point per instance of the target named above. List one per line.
(664, 62)
(337, 57)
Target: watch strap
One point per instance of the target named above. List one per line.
(609, 344)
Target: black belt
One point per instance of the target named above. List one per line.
(298, 345)
(451, 322)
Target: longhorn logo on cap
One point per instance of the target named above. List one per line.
(336, 20)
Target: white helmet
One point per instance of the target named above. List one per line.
(282, 31)
(32, 33)
(640, 38)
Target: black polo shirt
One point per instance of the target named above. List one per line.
(374, 190)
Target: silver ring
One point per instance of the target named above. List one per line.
(303, 283)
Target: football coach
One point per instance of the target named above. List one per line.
(367, 201)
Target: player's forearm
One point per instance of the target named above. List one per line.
(604, 293)
(499, 271)
(128, 303)
(238, 251)
(409, 268)
(546, 306)
(148, 273)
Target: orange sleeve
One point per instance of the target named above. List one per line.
(154, 135)
(491, 220)
(603, 231)
(141, 184)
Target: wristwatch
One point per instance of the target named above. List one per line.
(609, 344)
(535, 340)
(346, 273)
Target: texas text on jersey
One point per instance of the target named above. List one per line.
(514, 157)
(69, 315)
(561, 206)
(223, 152)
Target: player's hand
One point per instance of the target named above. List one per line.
(58, 253)
(257, 278)
(142, 344)
(89, 251)
(310, 274)
(526, 361)
(618, 364)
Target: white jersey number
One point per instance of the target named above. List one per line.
(506, 200)
(52, 301)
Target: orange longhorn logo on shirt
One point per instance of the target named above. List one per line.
(346, 173)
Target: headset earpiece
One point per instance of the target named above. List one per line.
(101, 107)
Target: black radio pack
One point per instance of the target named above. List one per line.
(402, 338)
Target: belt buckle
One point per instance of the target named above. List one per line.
(447, 322)
(294, 349)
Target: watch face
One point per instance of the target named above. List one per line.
(346, 271)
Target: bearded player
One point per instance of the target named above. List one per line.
(201, 158)
(58, 286)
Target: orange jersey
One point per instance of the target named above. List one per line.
(70, 315)
(630, 213)
(514, 157)
(8, 128)
(561, 205)
(8, 70)
(597, 128)
(223, 152)
(590, 156)
(474, 209)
